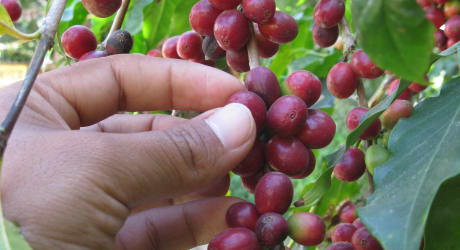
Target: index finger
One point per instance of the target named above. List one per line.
(96, 89)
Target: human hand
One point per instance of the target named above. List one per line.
(75, 189)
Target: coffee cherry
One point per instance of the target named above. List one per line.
(282, 28)
(342, 80)
(235, 239)
(209, 63)
(343, 232)
(13, 7)
(435, 15)
(93, 54)
(351, 167)
(273, 193)
(101, 8)
(363, 66)
(341, 246)
(363, 240)
(154, 53)
(424, 3)
(440, 1)
(329, 13)
(265, 48)
(452, 29)
(78, 40)
(305, 85)
(238, 60)
(347, 213)
(311, 164)
(263, 81)
(225, 4)
(169, 49)
(287, 115)
(254, 103)
(325, 37)
(271, 229)
(254, 161)
(355, 116)
(306, 229)
(242, 214)
(451, 42)
(318, 130)
(358, 224)
(259, 11)
(250, 182)
(288, 155)
(202, 17)
(189, 46)
(405, 95)
(211, 48)
(416, 88)
(231, 30)
(451, 9)
(376, 155)
(440, 39)
(119, 42)
(397, 110)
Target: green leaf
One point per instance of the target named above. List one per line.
(5, 18)
(7, 27)
(135, 17)
(74, 14)
(424, 154)
(396, 35)
(337, 192)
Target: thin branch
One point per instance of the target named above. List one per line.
(348, 39)
(361, 92)
(381, 90)
(253, 54)
(119, 18)
(50, 27)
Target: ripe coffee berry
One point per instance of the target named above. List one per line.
(265, 48)
(416, 88)
(397, 110)
(225, 4)
(101, 8)
(325, 37)
(328, 13)
(452, 29)
(435, 15)
(238, 60)
(93, 54)
(259, 11)
(347, 213)
(202, 17)
(78, 40)
(271, 229)
(288, 155)
(249, 183)
(13, 7)
(242, 214)
(363, 240)
(342, 80)
(231, 30)
(154, 53)
(305, 85)
(405, 95)
(282, 28)
(254, 161)
(119, 42)
(287, 115)
(358, 224)
(440, 1)
(211, 48)
(451, 42)
(351, 167)
(424, 3)
(318, 129)
(273, 193)
(263, 82)
(306, 229)
(169, 49)
(355, 116)
(363, 66)
(235, 239)
(189, 46)
(343, 232)
(311, 164)
(440, 40)
(341, 246)
(254, 103)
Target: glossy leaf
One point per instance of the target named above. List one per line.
(7, 27)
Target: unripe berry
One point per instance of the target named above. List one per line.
(341, 246)
(287, 115)
(342, 80)
(259, 11)
(325, 37)
(451, 9)
(305, 85)
(363, 66)
(288, 155)
(306, 229)
(318, 129)
(271, 229)
(435, 15)
(211, 48)
(13, 7)
(440, 40)
(238, 60)
(397, 110)
(282, 28)
(225, 4)
(254, 161)
(347, 213)
(231, 30)
(78, 40)
(311, 166)
(93, 54)
(452, 29)
(405, 95)
(119, 42)
(101, 8)
(235, 239)
(250, 182)
(351, 167)
(254, 103)
(265, 48)
(353, 119)
(189, 46)
(343, 232)
(329, 13)
(202, 17)
(263, 81)
(154, 53)
(358, 224)
(376, 155)
(273, 193)
(363, 240)
(169, 49)
(242, 214)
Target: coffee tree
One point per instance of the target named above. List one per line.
(355, 103)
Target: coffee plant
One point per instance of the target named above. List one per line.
(355, 104)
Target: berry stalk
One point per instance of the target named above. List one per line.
(253, 54)
(381, 90)
(347, 37)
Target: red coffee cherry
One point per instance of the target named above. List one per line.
(189, 46)
(405, 95)
(78, 40)
(306, 229)
(254, 161)
(363, 240)
(342, 80)
(238, 60)
(287, 115)
(259, 11)
(273, 193)
(435, 15)
(169, 49)
(119, 42)
(416, 88)
(101, 8)
(341, 246)
(202, 17)
(305, 85)
(397, 110)
(242, 214)
(154, 53)
(329, 13)
(211, 48)
(318, 129)
(440, 1)
(358, 224)
(347, 213)
(93, 54)
(231, 30)
(265, 48)
(235, 239)
(343, 232)
(424, 3)
(263, 81)
(288, 155)
(250, 182)
(325, 37)
(209, 63)
(355, 116)
(254, 103)
(271, 229)
(363, 66)
(351, 167)
(225, 4)
(282, 28)
(309, 170)
(451, 42)
(452, 29)
(13, 7)
(440, 40)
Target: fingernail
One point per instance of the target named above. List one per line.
(233, 125)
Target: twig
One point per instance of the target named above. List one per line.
(119, 18)
(361, 92)
(370, 179)
(253, 54)
(50, 27)
(381, 90)
(348, 39)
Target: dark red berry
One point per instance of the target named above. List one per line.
(342, 80)
(351, 167)
(341, 246)
(288, 155)
(311, 164)
(325, 37)
(397, 110)
(211, 48)
(452, 29)
(358, 224)
(329, 13)
(242, 214)
(154, 53)
(13, 7)
(343, 232)
(271, 229)
(265, 48)
(347, 213)
(282, 28)
(101, 8)
(416, 88)
(209, 63)
(225, 4)
(250, 182)
(273, 193)
(254, 103)
(231, 30)
(119, 42)
(238, 60)
(451, 42)
(318, 130)
(287, 115)
(254, 161)
(305, 85)
(363, 240)
(202, 17)
(363, 66)
(451, 9)
(169, 49)
(259, 11)
(424, 3)
(263, 81)
(189, 46)
(440, 1)
(440, 40)
(435, 15)
(306, 229)
(93, 54)
(355, 116)
(405, 95)
(78, 40)
(235, 239)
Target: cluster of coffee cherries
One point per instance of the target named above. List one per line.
(327, 15)
(13, 7)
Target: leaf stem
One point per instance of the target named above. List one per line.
(253, 54)
(361, 92)
(381, 90)
(119, 18)
(12, 31)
